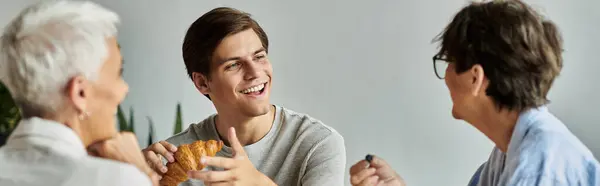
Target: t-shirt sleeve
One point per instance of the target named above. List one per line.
(326, 163)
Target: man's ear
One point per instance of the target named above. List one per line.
(479, 82)
(201, 82)
(77, 92)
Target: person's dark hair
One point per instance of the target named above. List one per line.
(519, 50)
(207, 32)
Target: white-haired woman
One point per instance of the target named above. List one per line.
(61, 63)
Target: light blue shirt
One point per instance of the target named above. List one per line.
(542, 151)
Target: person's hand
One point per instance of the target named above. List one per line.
(238, 170)
(124, 148)
(378, 173)
(154, 152)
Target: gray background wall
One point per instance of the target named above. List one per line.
(326, 53)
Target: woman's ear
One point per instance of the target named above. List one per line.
(78, 92)
(201, 82)
(478, 80)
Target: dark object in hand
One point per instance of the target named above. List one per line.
(369, 158)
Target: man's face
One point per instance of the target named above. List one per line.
(240, 75)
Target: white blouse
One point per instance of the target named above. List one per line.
(43, 152)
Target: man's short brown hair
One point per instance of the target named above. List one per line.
(519, 50)
(207, 32)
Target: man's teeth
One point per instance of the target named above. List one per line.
(254, 89)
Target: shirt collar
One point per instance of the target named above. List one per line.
(527, 120)
(57, 133)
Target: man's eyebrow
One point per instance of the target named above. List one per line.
(229, 59)
(262, 49)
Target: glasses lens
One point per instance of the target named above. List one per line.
(440, 68)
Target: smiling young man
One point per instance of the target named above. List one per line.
(225, 53)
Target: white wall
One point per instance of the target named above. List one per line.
(324, 55)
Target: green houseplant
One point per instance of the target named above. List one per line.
(9, 113)
(178, 123)
(126, 124)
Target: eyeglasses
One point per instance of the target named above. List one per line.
(439, 66)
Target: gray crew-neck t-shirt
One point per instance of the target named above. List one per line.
(297, 150)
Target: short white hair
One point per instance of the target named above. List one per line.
(49, 43)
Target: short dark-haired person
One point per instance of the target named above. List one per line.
(500, 60)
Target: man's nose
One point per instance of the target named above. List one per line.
(252, 70)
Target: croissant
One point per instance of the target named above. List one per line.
(187, 158)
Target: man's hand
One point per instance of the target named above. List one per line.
(124, 148)
(154, 153)
(378, 173)
(238, 170)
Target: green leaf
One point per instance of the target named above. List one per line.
(151, 131)
(9, 114)
(178, 121)
(123, 126)
(131, 124)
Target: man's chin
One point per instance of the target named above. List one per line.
(257, 110)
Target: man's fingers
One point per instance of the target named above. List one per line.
(211, 176)
(169, 146)
(370, 181)
(222, 162)
(159, 148)
(361, 165)
(155, 162)
(238, 149)
(362, 175)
